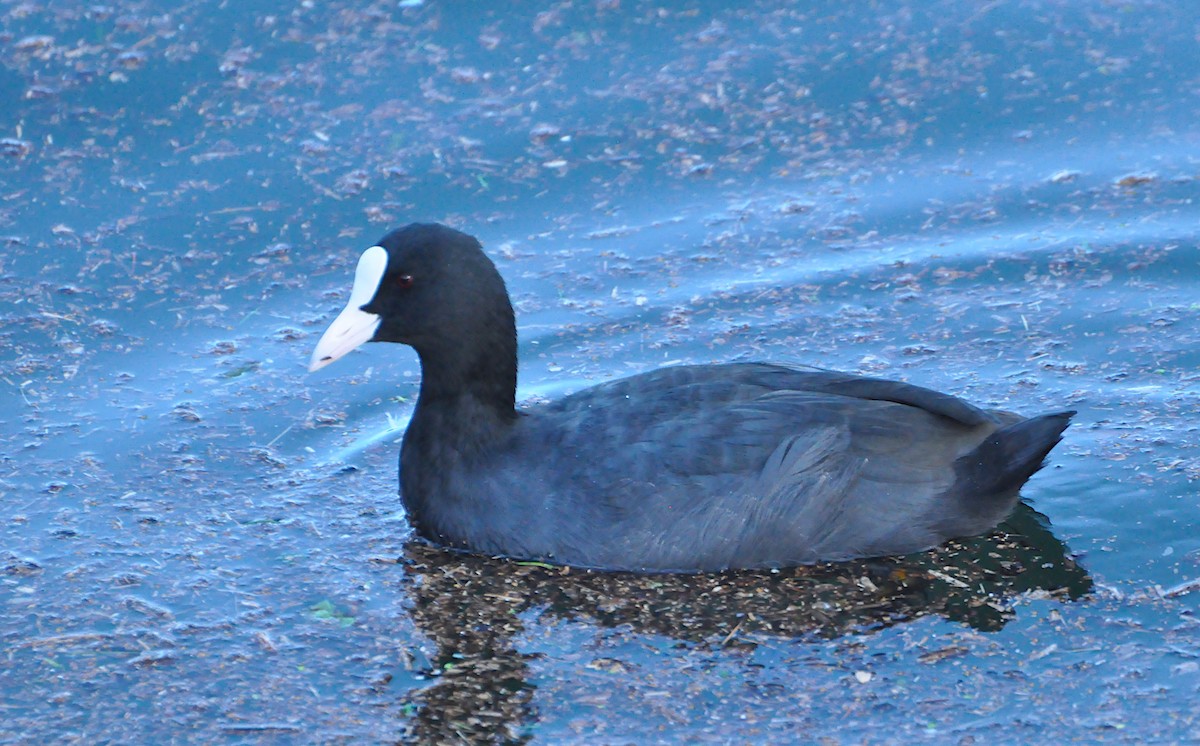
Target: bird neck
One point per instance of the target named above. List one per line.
(482, 383)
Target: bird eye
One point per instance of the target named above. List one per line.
(404, 281)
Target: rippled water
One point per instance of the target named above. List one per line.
(201, 541)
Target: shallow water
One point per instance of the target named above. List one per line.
(202, 542)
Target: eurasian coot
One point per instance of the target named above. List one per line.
(691, 468)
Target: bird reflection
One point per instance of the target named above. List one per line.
(474, 608)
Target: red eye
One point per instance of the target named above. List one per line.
(404, 281)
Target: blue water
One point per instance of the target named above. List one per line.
(202, 542)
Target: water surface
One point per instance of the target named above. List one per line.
(202, 542)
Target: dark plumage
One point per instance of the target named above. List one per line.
(690, 468)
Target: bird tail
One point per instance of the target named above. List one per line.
(989, 477)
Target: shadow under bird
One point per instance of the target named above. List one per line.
(692, 468)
